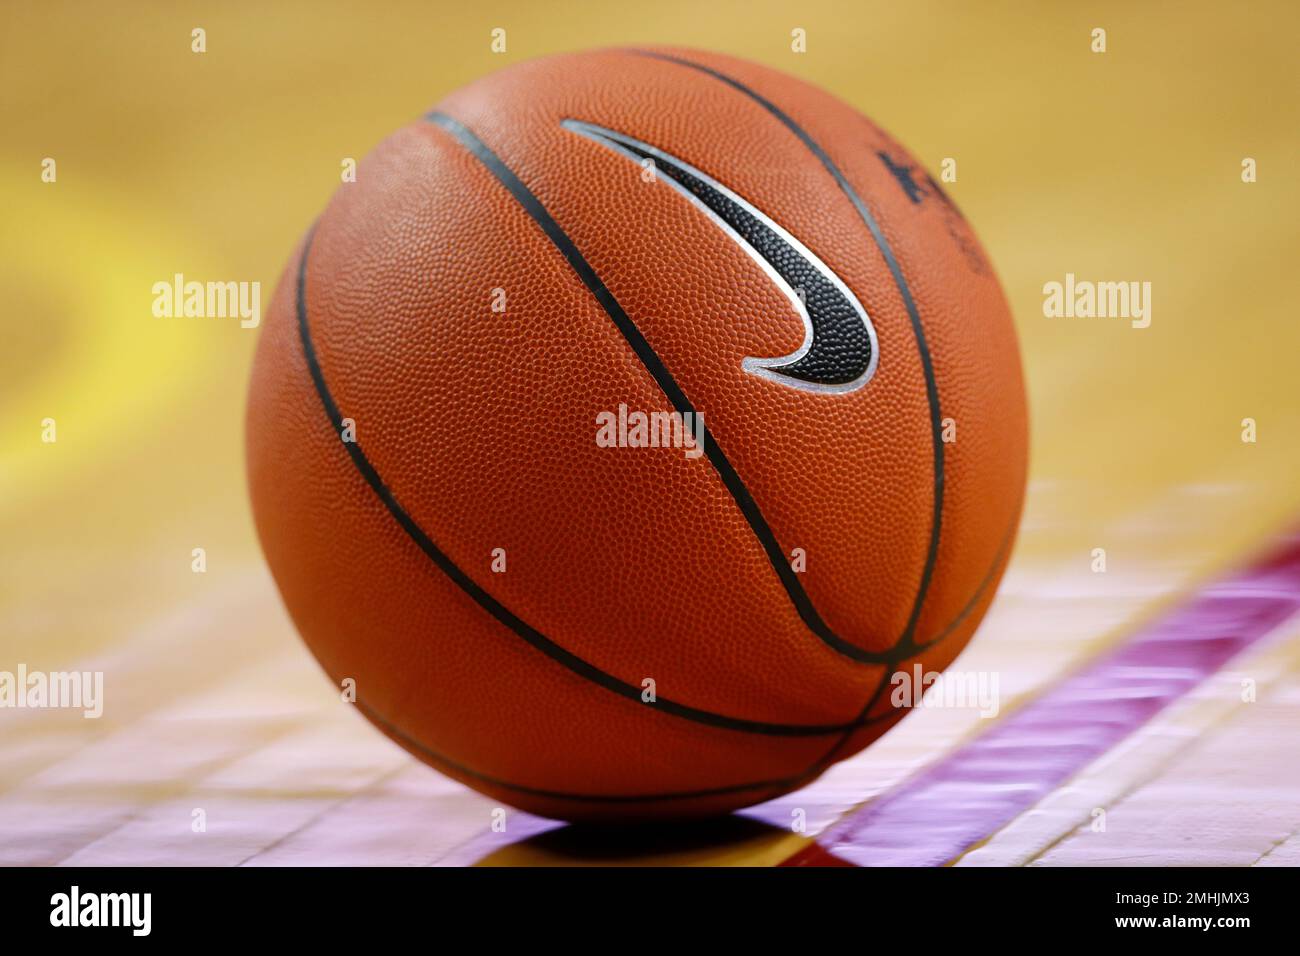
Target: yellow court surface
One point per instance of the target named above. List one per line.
(1174, 448)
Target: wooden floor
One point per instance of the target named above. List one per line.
(1114, 167)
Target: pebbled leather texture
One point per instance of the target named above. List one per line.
(475, 431)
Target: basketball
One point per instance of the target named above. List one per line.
(625, 427)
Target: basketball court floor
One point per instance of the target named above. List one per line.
(1147, 711)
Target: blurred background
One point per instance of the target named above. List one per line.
(1117, 166)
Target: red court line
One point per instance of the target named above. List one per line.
(935, 816)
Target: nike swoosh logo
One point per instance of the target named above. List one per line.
(840, 350)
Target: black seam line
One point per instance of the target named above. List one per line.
(445, 761)
(573, 662)
(829, 757)
(917, 647)
(931, 385)
(777, 786)
(655, 366)
(780, 785)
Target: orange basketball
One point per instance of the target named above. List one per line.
(627, 423)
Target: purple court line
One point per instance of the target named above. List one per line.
(935, 816)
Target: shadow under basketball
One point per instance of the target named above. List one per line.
(713, 842)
